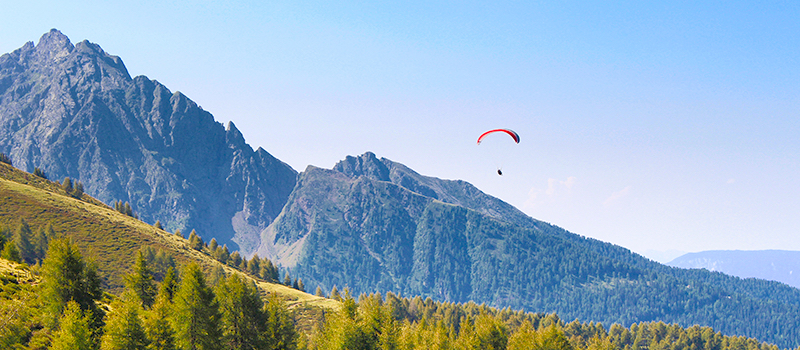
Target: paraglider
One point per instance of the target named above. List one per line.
(507, 131)
(510, 132)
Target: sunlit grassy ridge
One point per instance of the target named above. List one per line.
(109, 238)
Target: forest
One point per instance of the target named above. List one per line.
(55, 300)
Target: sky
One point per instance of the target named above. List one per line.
(661, 127)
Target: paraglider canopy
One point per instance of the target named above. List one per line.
(507, 131)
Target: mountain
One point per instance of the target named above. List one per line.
(74, 111)
(774, 265)
(369, 223)
(372, 224)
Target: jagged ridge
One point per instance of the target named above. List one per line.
(75, 111)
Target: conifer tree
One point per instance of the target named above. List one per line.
(178, 233)
(196, 317)
(10, 252)
(254, 265)
(74, 332)
(22, 238)
(124, 329)
(169, 285)
(157, 326)
(67, 185)
(195, 242)
(300, 286)
(158, 225)
(140, 281)
(268, 271)
(335, 294)
(66, 277)
(77, 192)
(280, 333)
(244, 319)
(217, 275)
(212, 245)
(5, 159)
(287, 280)
(235, 259)
(40, 173)
(39, 244)
(319, 292)
(222, 254)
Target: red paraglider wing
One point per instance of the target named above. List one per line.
(507, 131)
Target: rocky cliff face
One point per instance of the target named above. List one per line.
(73, 110)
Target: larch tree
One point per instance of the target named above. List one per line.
(66, 277)
(244, 319)
(124, 329)
(140, 281)
(196, 316)
(74, 332)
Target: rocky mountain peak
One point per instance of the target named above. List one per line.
(54, 42)
(75, 111)
(366, 164)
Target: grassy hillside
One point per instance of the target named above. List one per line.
(108, 237)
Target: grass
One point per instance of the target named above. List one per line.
(111, 239)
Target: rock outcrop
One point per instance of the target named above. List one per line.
(74, 111)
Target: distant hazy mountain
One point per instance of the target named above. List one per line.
(774, 265)
(74, 111)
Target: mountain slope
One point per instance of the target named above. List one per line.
(374, 225)
(774, 265)
(109, 238)
(75, 111)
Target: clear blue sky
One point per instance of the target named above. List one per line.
(652, 126)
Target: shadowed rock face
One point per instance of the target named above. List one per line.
(75, 111)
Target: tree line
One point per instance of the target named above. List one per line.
(69, 309)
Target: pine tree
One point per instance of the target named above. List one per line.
(5, 159)
(66, 277)
(212, 245)
(10, 252)
(196, 317)
(319, 292)
(67, 185)
(254, 265)
(222, 254)
(40, 173)
(77, 192)
(140, 281)
(158, 225)
(268, 271)
(74, 332)
(178, 233)
(124, 329)
(22, 238)
(244, 319)
(39, 243)
(169, 285)
(235, 259)
(217, 275)
(287, 280)
(280, 333)
(195, 242)
(157, 325)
